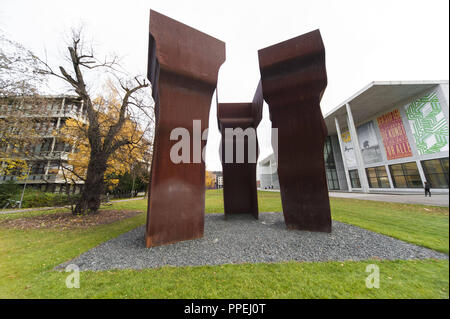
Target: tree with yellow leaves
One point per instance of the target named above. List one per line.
(122, 160)
(210, 179)
(136, 151)
(117, 123)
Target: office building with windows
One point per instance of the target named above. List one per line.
(390, 137)
(218, 179)
(47, 153)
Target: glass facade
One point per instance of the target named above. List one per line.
(436, 172)
(377, 177)
(330, 166)
(354, 178)
(405, 175)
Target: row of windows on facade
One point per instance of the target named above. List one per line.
(38, 168)
(57, 188)
(44, 147)
(53, 107)
(42, 127)
(405, 175)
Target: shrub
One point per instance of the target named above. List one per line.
(8, 190)
(35, 198)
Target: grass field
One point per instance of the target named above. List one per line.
(27, 259)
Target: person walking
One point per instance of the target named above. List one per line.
(427, 187)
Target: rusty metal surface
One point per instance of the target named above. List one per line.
(183, 65)
(294, 79)
(239, 179)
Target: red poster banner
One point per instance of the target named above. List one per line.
(394, 136)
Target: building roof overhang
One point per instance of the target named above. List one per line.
(374, 98)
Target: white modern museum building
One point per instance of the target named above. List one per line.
(388, 137)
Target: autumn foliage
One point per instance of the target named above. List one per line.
(210, 179)
(122, 160)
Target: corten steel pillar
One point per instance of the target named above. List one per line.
(183, 65)
(239, 175)
(294, 78)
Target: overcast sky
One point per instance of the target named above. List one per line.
(364, 40)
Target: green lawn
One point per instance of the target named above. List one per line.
(27, 259)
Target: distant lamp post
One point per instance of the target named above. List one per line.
(24, 186)
(133, 178)
(271, 174)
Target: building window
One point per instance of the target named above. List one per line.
(354, 178)
(330, 166)
(332, 180)
(38, 168)
(405, 175)
(377, 177)
(436, 172)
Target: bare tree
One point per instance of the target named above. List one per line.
(103, 143)
(19, 69)
(20, 78)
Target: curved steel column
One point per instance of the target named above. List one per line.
(294, 78)
(183, 65)
(239, 179)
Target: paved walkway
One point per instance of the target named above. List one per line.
(48, 208)
(434, 200)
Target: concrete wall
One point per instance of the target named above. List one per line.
(266, 181)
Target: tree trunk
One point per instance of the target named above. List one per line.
(94, 186)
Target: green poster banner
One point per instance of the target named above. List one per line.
(428, 124)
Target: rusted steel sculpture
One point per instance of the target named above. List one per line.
(239, 174)
(183, 65)
(294, 78)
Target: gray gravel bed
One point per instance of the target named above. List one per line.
(242, 239)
